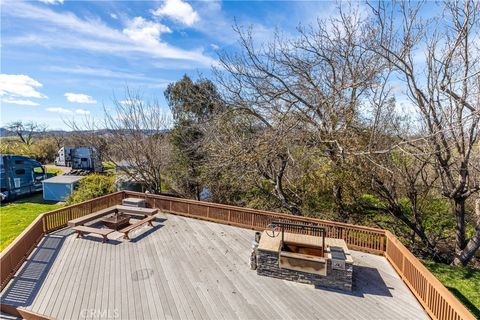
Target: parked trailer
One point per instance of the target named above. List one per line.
(20, 175)
(64, 158)
(81, 158)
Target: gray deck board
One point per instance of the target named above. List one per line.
(240, 288)
(191, 269)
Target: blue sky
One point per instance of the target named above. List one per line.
(67, 59)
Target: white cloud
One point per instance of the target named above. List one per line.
(113, 16)
(52, 1)
(79, 98)
(20, 102)
(179, 11)
(67, 111)
(94, 35)
(143, 31)
(59, 110)
(136, 79)
(19, 85)
(131, 102)
(82, 111)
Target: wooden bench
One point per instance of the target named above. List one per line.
(137, 224)
(138, 212)
(132, 211)
(90, 217)
(82, 230)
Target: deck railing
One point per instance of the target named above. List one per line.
(357, 237)
(437, 301)
(58, 219)
(432, 294)
(16, 253)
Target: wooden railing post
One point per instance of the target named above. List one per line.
(44, 223)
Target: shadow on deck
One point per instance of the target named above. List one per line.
(29, 279)
(24, 287)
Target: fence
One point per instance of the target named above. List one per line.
(438, 302)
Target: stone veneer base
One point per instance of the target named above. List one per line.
(268, 265)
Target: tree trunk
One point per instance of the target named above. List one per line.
(459, 212)
(464, 256)
(338, 199)
(280, 193)
(418, 230)
(284, 199)
(197, 192)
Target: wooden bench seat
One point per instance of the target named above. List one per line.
(135, 211)
(90, 217)
(82, 230)
(126, 230)
(132, 211)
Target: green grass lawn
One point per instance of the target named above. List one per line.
(463, 282)
(56, 171)
(16, 216)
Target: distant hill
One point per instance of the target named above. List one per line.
(7, 133)
(4, 132)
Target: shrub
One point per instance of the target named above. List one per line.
(43, 150)
(92, 186)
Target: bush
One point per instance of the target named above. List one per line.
(43, 150)
(92, 186)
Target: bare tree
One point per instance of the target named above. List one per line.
(26, 131)
(132, 136)
(137, 134)
(445, 90)
(259, 155)
(88, 131)
(318, 79)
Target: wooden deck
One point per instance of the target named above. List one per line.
(190, 269)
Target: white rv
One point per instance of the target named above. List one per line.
(81, 158)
